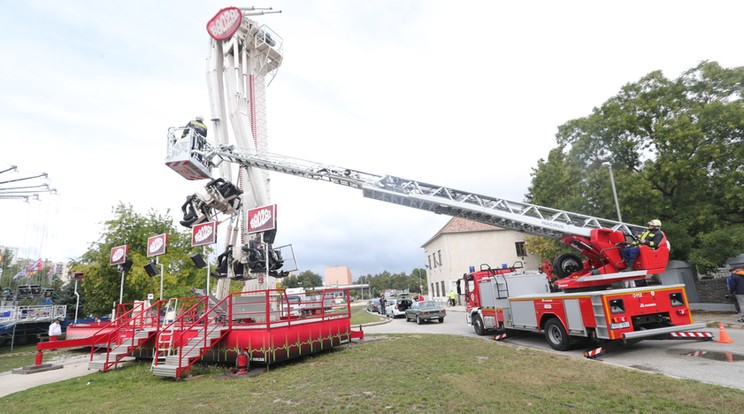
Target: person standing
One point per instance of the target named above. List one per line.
(736, 288)
(382, 303)
(197, 125)
(55, 330)
(452, 296)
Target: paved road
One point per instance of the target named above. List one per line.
(701, 361)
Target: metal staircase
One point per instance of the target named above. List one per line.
(193, 332)
(132, 329)
(513, 215)
(121, 352)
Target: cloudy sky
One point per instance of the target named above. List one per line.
(464, 94)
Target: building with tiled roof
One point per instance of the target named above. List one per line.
(462, 244)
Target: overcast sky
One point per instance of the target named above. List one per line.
(464, 94)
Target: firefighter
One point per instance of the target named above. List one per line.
(198, 125)
(652, 238)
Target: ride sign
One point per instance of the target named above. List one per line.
(156, 245)
(205, 233)
(118, 255)
(225, 23)
(262, 219)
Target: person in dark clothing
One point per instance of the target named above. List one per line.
(382, 304)
(652, 238)
(736, 288)
(197, 125)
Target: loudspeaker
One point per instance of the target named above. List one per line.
(269, 236)
(151, 269)
(198, 261)
(126, 265)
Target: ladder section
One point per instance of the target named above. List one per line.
(599, 318)
(514, 215)
(193, 332)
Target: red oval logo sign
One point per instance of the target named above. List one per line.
(225, 23)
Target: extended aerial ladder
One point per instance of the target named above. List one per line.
(596, 238)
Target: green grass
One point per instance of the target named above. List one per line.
(359, 315)
(391, 374)
(22, 355)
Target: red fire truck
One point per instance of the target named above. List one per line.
(599, 309)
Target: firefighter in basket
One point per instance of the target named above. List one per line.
(652, 238)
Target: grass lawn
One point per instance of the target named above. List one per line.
(392, 374)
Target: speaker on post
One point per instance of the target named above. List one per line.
(151, 269)
(198, 261)
(269, 236)
(124, 267)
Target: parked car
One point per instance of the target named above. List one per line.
(395, 307)
(373, 305)
(425, 311)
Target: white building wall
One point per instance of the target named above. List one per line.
(459, 251)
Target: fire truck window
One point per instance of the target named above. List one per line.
(617, 306)
(676, 299)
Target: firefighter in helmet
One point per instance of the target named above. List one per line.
(197, 125)
(652, 238)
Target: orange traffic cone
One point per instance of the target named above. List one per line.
(723, 336)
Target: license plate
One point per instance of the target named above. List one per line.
(620, 325)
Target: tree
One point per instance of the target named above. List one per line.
(102, 282)
(676, 149)
(306, 279)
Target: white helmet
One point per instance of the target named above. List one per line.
(200, 118)
(655, 223)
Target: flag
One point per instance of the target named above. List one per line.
(20, 274)
(33, 267)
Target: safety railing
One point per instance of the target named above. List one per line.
(122, 330)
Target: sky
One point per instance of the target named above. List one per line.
(464, 94)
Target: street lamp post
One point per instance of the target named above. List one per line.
(614, 191)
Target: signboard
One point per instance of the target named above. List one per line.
(118, 255)
(205, 233)
(77, 275)
(225, 23)
(156, 245)
(262, 219)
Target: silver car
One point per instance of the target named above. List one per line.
(425, 311)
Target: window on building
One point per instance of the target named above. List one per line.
(521, 250)
(429, 260)
(438, 260)
(444, 292)
(435, 289)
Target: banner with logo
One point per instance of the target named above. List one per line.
(262, 219)
(156, 245)
(118, 255)
(203, 234)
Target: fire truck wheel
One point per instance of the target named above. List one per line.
(478, 325)
(556, 335)
(566, 264)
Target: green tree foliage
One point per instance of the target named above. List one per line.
(101, 285)
(677, 154)
(306, 279)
